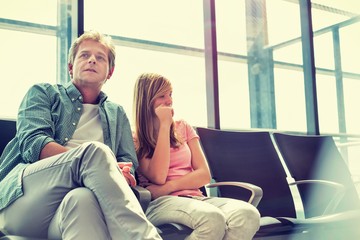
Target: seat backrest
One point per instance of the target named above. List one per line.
(8, 131)
(248, 157)
(310, 157)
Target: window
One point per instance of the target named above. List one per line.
(161, 36)
(336, 27)
(28, 49)
(259, 50)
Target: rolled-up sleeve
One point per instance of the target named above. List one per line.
(126, 151)
(35, 125)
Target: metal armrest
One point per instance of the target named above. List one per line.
(256, 191)
(143, 195)
(338, 196)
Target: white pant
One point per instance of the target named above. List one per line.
(211, 218)
(80, 194)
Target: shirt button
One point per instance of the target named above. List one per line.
(79, 109)
(73, 123)
(80, 97)
(73, 99)
(66, 139)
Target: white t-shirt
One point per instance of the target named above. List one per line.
(89, 127)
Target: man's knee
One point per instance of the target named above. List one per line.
(96, 146)
(98, 153)
(80, 197)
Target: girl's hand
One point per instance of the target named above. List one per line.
(165, 114)
(125, 169)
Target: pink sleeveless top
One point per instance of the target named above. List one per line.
(180, 159)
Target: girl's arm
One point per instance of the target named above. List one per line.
(196, 179)
(156, 168)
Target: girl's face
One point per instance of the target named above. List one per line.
(164, 99)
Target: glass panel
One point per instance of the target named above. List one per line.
(327, 104)
(323, 51)
(349, 44)
(326, 13)
(290, 100)
(354, 163)
(281, 54)
(352, 111)
(33, 61)
(175, 22)
(231, 26)
(234, 95)
(283, 21)
(39, 11)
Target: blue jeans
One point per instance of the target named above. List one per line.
(211, 218)
(79, 194)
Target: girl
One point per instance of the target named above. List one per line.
(173, 167)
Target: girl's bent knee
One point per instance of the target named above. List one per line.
(248, 218)
(253, 215)
(212, 224)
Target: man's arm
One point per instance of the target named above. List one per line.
(51, 149)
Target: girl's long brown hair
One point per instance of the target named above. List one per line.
(148, 87)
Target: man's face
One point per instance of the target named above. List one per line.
(91, 64)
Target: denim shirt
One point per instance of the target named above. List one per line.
(50, 113)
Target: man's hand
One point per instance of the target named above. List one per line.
(125, 169)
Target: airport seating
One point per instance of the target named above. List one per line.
(253, 156)
(249, 156)
(327, 188)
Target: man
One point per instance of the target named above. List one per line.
(60, 177)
